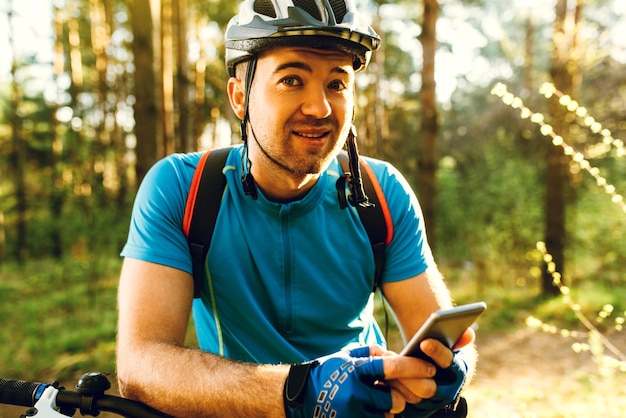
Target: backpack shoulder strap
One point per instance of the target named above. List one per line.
(375, 217)
(202, 207)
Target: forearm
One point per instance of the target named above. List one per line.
(186, 382)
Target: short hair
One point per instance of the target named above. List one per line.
(241, 69)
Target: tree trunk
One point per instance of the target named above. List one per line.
(57, 195)
(185, 144)
(427, 187)
(379, 105)
(167, 77)
(199, 77)
(528, 70)
(18, 159)
(145, 108)
(100, 41)
(564, 75)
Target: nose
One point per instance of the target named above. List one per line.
(316, 103)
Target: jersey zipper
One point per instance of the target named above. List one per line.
(284, 214)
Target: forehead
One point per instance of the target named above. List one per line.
(317, 58)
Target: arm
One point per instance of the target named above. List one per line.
(153, 366)
(412, 301)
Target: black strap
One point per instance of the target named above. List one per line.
(295, 385)
(372, 217)
(209, 198)
(204, 217)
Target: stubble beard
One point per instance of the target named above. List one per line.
(313, 162)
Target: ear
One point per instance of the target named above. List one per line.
(236, 96)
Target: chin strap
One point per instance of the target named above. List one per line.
(247, 181)
(353, 177)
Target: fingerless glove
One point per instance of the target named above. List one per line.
(342, 385)
(445, 402)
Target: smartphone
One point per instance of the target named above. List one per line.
(447, 326)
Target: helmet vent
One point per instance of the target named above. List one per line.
(339, 9)
(310, 7)
(264, 7)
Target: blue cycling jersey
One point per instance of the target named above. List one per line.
(285, 282)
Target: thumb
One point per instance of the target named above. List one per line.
(467, 338)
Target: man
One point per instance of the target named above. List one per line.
(289, 272)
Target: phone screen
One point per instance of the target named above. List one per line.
(446, 325)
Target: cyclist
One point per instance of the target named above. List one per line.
(284, 320)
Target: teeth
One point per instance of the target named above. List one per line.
(310, 135)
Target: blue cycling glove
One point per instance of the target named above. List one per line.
(340, 385)
(449, 384)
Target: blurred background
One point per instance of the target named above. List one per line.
(505, 116)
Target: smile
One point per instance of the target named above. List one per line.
(311, 135)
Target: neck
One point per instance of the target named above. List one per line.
(277, 181)
(280, 186)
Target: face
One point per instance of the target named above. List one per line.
(300, 109)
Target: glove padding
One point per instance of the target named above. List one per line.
(446, 396)
(340, 385)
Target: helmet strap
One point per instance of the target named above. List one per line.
(353, 177)
(247, 180)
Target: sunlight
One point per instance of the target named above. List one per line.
(32, 32)
(618, 34)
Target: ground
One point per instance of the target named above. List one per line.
(530, 374)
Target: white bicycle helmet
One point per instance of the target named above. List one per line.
(324, 24)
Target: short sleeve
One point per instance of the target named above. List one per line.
(409, 253)
(155, 232)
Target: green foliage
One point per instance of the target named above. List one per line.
(597, 247)
(490, 208)
(59, 317)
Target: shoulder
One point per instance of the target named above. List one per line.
(171, 170)
(166, 184)
(390, 178)
(176, 164)
(400, 198)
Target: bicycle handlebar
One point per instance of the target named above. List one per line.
(89, 400)
(19, 392)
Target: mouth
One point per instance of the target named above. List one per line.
(312, 135)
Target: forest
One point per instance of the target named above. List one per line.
(506, 117)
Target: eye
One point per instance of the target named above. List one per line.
(337, 85)
(291, 81)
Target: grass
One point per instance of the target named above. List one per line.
(509, 305)
(59, 318)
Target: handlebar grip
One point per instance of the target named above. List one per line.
(20, 393)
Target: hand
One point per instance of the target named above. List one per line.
(347, 384)
(449, 378)
(445, 384)
(445, 396)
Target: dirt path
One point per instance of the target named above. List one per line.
(536, 374)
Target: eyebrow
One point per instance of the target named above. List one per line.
(302, 66)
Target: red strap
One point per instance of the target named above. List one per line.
(382, 201)
(193, 192)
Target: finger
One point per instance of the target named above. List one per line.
(398, 402)
(438, 352)
(403, 367)
(377, 350)
(414, 390)
(467, 338)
